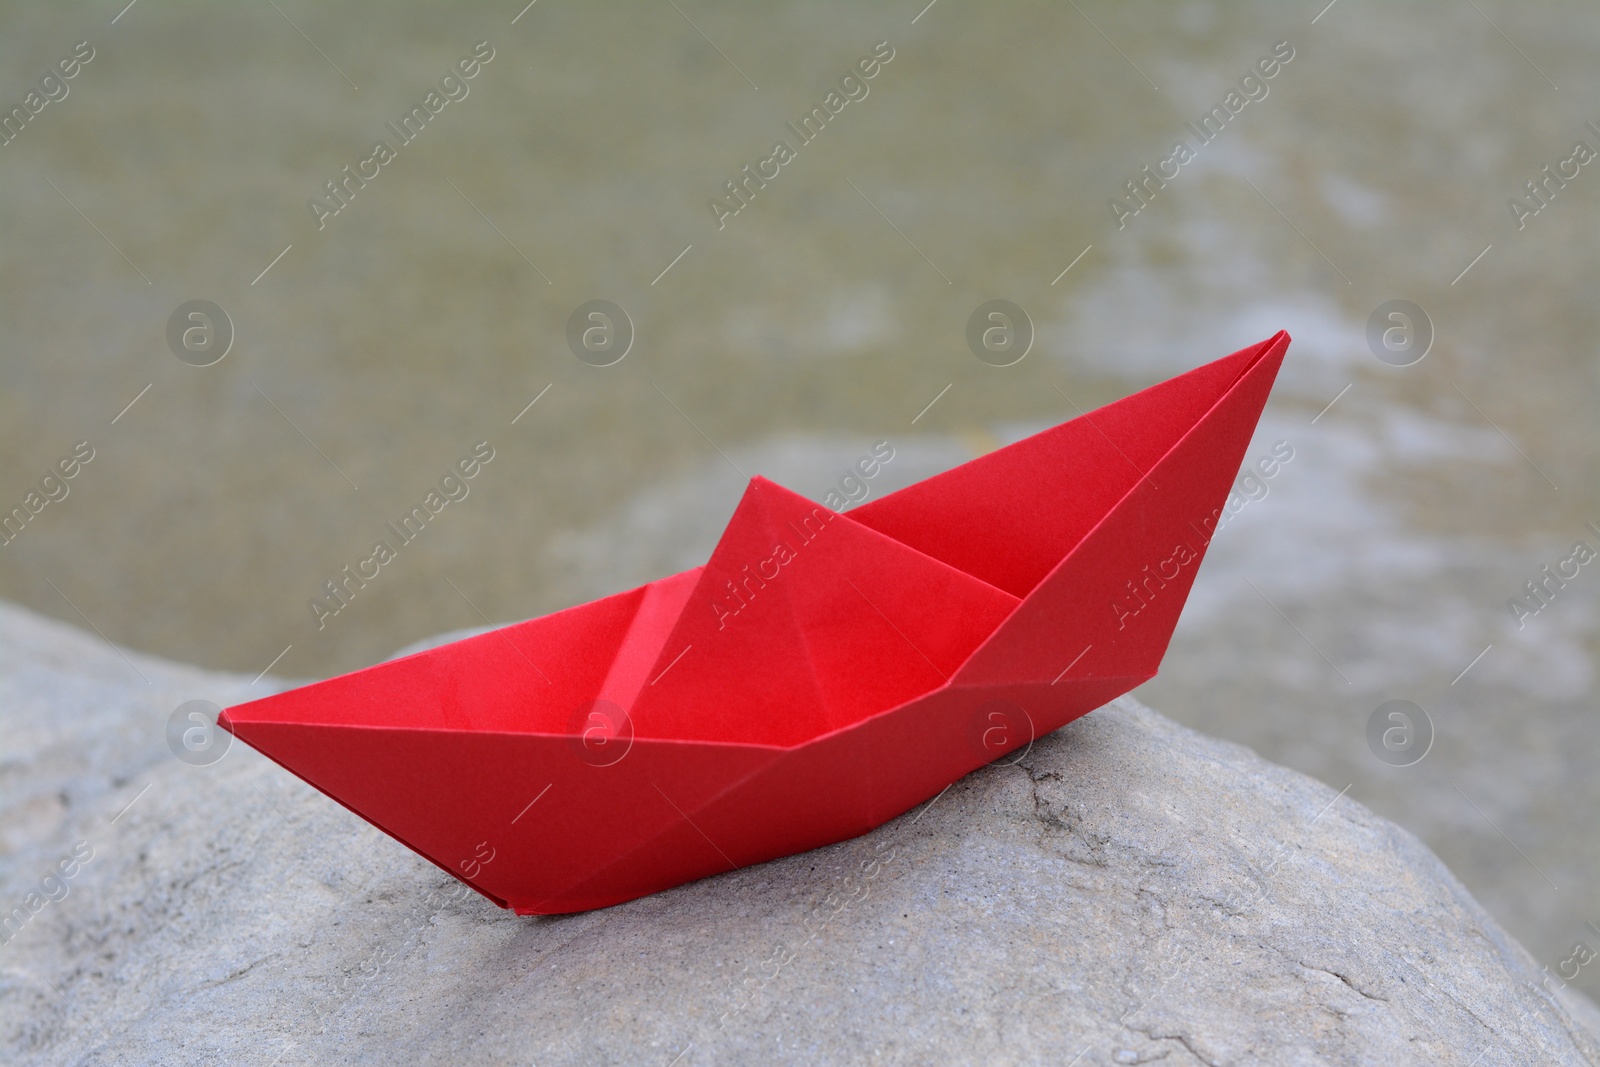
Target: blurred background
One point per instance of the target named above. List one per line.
(1430, 479)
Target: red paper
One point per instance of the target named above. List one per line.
(820, 675)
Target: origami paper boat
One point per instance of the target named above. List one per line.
(820, 675)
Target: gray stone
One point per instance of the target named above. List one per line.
(1126, 891)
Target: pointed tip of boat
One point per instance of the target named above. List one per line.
(238, 719)
(1277, 344)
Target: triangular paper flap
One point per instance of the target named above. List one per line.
(735, 664)
(1011, 516)
(804, 621)
(531, 676)
(1109, 609)
(519, 817)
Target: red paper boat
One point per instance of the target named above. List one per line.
(822, 674)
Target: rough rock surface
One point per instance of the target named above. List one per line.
(1126, 891)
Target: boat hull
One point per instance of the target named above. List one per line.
(649, 739)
